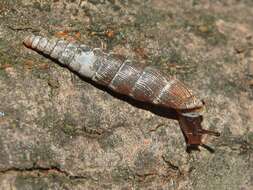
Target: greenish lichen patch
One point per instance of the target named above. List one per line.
(42, 7)
(93, 120)
(145, 161)
(111, 141)
(207, 29)
(3, 154)
(5, 57)
(143, 23)
(203, 25)
(64, 130)
(122, 174)
(40, 180)
(30, 182)
(250, 137)
(227, 86)
(227, 175)
(169, 57)
(36, 153)
(5, 4)
(48, 120)
(173, 61)
(7, 60)
(149, 17)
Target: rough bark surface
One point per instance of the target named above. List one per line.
(58, 131)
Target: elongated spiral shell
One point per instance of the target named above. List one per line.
(123, 76)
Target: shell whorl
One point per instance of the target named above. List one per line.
(57, 49)
(121, 75)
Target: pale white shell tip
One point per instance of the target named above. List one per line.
(28, 40)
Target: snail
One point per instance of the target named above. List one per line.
(144, 84)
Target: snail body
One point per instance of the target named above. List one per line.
(145, 84)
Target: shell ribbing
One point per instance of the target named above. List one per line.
(143, 84)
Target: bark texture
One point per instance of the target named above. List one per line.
(60, 131)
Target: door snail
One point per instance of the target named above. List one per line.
(145, 84)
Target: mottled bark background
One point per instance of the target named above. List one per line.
(58, 131)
